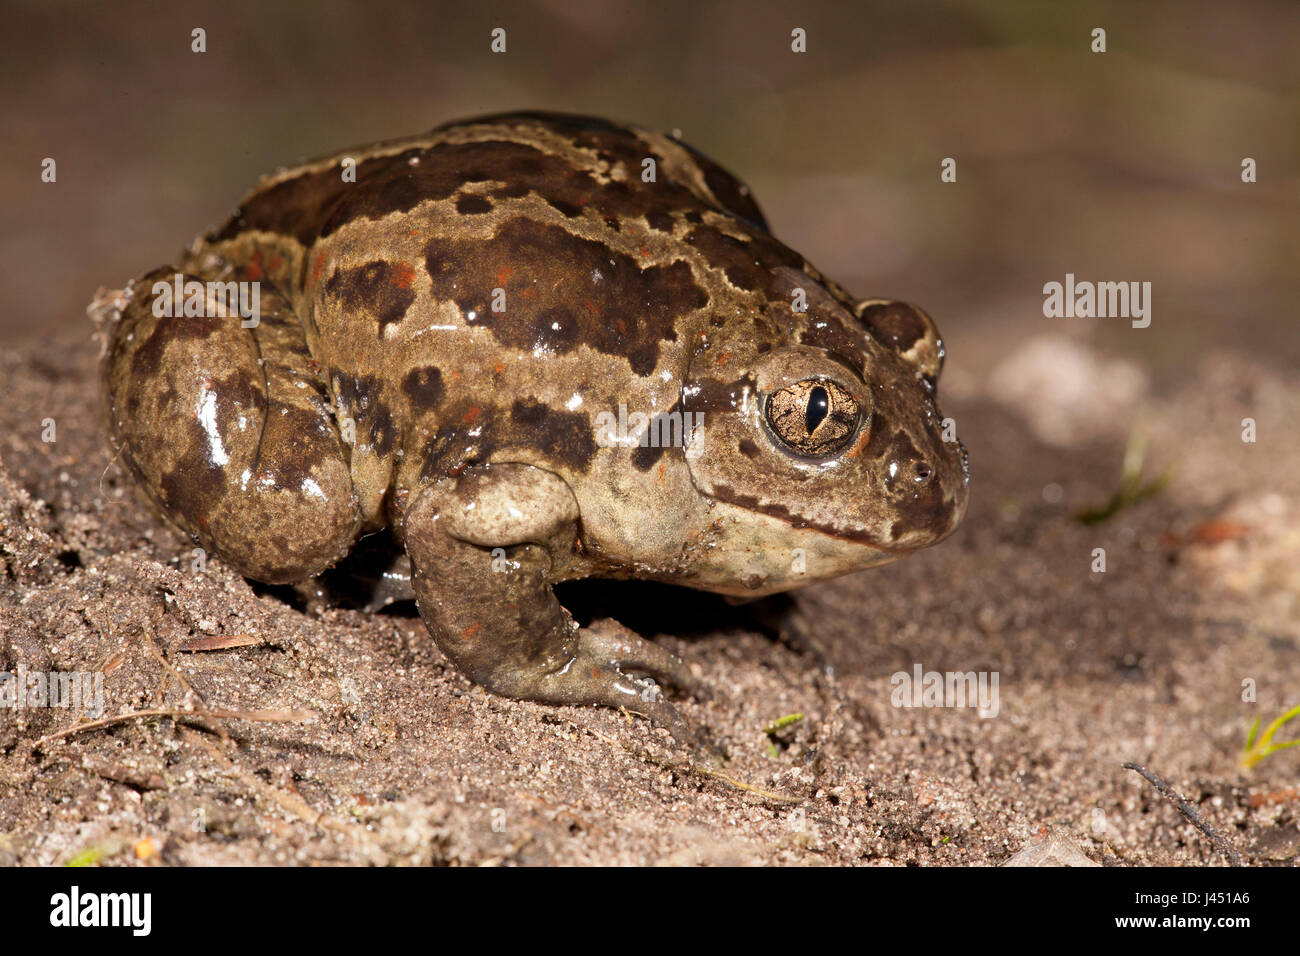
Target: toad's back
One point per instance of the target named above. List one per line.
(483, 292)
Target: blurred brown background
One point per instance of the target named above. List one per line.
(1117, 166)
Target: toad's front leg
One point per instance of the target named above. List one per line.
(485, 549)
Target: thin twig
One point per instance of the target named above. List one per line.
(160, 655)
(1220, 842)
(272, 716)
(127, 776)
(221, 642)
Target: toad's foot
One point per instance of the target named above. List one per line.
(485, 549)
(600, 672)
(627, 650)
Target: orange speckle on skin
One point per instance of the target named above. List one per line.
(504, 274)
(253, 269)
(455, 375)
(500, 367)
(275, 264)
(318, 267)
(472, 414)
(403, 275)
(471, 631)
(529, 293)
(643, 252)
(723, 358)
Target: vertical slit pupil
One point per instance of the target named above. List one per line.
(819, 406)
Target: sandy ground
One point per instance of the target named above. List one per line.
(383, 753)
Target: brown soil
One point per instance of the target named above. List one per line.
(403, 760)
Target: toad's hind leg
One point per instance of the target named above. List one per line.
(230, 431)
(485, 549)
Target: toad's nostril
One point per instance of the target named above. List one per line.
(923, 472)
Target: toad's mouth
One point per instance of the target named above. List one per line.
(860, 536)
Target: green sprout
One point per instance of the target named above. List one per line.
(1257, 749)
(90, 856)
(776, 725)
(780, 722)
(1132, 490)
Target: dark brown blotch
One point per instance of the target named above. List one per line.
(712, 396)
(450, 449)
(927, 511)
(895, 324)
(236, 393)
(360, 396)
(666, 430)
(565, 436)
(423, 386)
(380, 289)
(733, 195)
(196, 484)
(644, 457)
(383, 432)
(659, 221)
(563, 291)
(148, 357)
(748, 265)
(293, 454)
(556, 330)
(472, 205)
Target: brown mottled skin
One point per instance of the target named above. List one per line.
(381, 387)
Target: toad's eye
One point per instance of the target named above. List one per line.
(815, 418)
